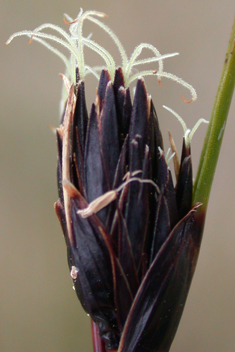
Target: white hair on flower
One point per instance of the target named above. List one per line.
(188, 134)
(74, 42)
(168, 156)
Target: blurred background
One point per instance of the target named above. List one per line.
(39, 311)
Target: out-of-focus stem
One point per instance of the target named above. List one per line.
(215, 131)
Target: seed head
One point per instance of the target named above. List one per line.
(132, 236)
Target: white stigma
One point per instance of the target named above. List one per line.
(74, 42)
(188, 134)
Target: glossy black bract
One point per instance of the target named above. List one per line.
(133, 260)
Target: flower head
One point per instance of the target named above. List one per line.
(132, 235)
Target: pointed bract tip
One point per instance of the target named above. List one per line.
(72, 191)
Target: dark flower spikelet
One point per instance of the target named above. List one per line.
(132, 236)
(134, 259)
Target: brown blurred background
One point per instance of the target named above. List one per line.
(39, 311)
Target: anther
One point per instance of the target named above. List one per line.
(186, 101)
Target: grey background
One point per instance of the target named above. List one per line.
(39, 311)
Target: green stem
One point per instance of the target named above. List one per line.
(215, 131)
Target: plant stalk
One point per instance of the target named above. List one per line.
(215, 131)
